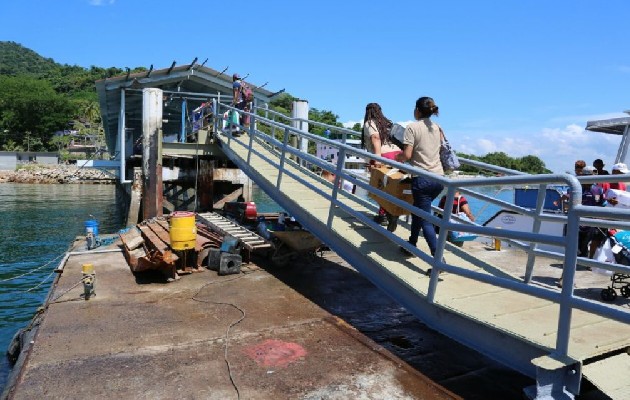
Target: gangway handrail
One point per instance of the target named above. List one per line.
(443, 223)
(566, 298)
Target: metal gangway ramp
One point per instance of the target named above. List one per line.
(549, 334)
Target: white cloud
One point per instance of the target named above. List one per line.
(350, 124)
(101, 2)
(623, 68)
(557, 147)
(486, 146)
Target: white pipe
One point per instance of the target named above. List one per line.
(300, 110)
(122, 138)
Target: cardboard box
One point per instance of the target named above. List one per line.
(393, 182)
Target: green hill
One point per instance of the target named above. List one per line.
(16, 59)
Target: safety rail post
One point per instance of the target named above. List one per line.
(252, 131)
(285, 142)
(568, 277)
(341, 156)
(228, 134)
(273, 126)
(531, 249)
(215, 112)
(439, 251)
(303, 143)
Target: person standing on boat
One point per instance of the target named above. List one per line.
(616, 195)
(619, 169)
(422, 148)
(589, 238)
(460, 204)
(376, 140)
(599, 166)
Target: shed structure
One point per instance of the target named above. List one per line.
(190, 161)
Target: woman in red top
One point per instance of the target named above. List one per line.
(377, 140)
(460, 204)
(619, 169)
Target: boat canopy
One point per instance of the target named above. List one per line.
(616, 126)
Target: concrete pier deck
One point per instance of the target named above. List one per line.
(313, 330)
(205, 336)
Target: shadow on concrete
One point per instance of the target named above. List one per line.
(343, 292)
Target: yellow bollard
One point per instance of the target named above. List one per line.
(497, 243)
(87, 269)
(89, 278)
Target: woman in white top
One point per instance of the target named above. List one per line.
(376, 140)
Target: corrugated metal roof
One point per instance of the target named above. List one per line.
(193, 82)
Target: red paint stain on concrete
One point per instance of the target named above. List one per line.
(275, 353)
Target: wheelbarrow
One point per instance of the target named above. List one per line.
(291, 244)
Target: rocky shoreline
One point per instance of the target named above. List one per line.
(35, 173)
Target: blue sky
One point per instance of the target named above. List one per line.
(521, 77)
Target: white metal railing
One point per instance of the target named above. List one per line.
(276, 137)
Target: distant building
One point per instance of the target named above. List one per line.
(9, 160)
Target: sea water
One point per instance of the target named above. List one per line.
(37, 225)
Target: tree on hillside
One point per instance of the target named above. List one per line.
(498, 158)
(530, 164)
(533, 165)
(323, 116)
(283, 103)
(18, 60)
(30, 111)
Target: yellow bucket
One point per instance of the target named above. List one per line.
(183, 230)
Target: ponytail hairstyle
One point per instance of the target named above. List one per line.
(426, 107)
(374, 113)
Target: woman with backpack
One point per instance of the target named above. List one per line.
(377, 140)
(242, 96)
